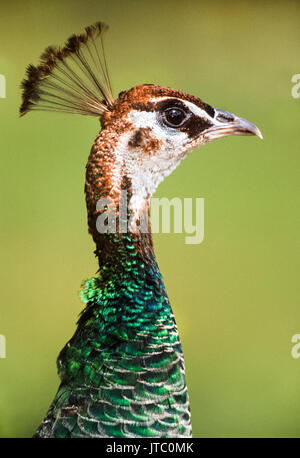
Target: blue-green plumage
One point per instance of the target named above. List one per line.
(122, 373)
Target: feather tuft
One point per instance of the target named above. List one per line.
(71, 79)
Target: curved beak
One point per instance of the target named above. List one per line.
(226, 123)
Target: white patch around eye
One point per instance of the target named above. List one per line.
(197, 111)
(166, 135)
(150, 171)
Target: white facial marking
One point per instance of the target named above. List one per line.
(191, 106)
(150, 119)
(146, 171)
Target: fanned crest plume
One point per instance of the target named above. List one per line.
(71, 79)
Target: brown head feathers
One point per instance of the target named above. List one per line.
(71, 79)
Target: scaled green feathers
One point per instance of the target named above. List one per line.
(122, 373)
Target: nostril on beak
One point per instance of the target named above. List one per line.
(224, 116)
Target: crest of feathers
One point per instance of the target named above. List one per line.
(71, 79)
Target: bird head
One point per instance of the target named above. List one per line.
(146, 131)
(157, 127)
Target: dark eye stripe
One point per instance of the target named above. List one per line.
(154, 106)
(195, 125)
(209, 110)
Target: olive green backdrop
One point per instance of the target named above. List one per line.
(235, 296)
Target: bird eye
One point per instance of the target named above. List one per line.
(174, 117)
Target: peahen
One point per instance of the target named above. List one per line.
(122, 373)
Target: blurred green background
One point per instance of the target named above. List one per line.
(236, 296)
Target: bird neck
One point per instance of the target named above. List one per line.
(128, 272)
(118, 213)
(127, 315)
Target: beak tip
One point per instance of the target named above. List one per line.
(259, 134)
(255, 130)
(249, 128)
